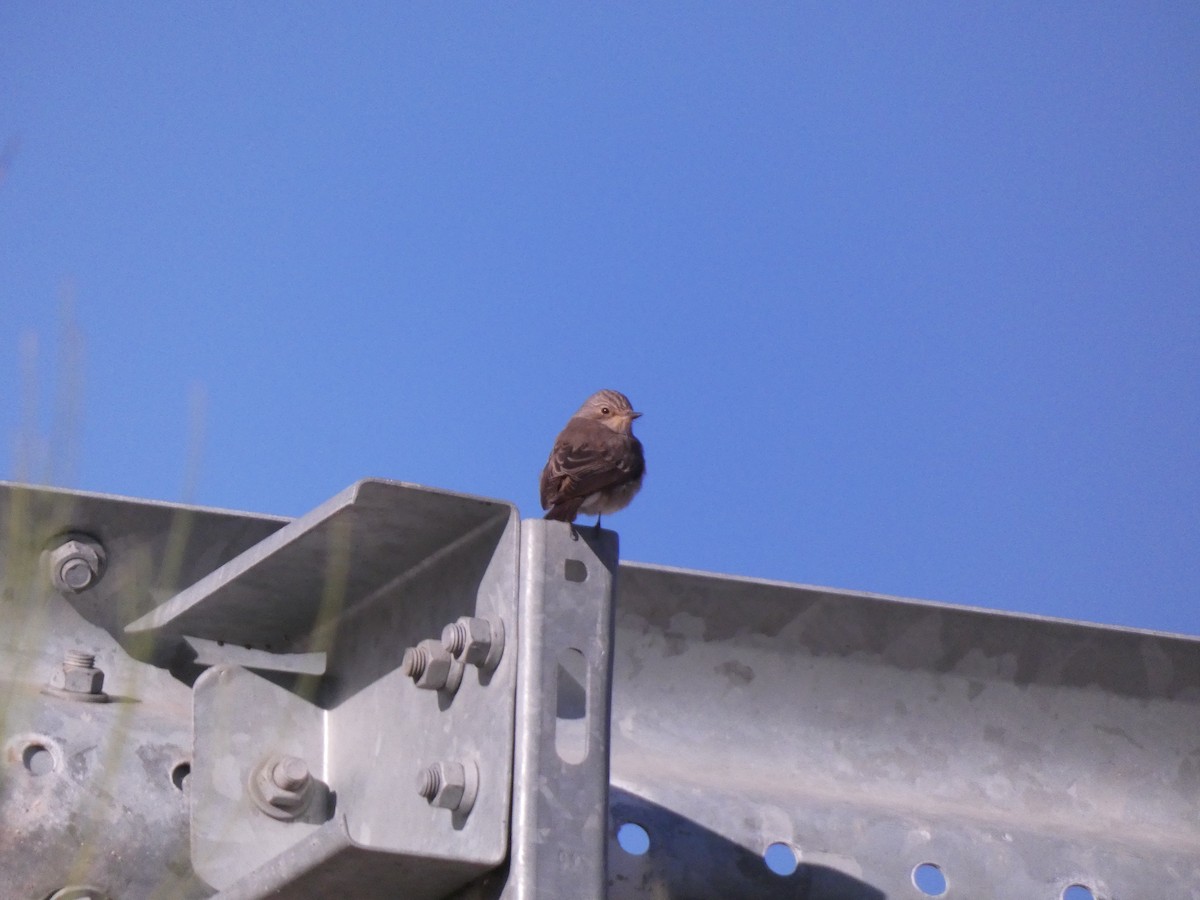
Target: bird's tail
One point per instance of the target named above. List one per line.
(565, 510)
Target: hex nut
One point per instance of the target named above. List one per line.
(450, 785)
(475, 641)
(282, 787)
(76, 564)
(429, 665)
(443, 783)
(77, 678)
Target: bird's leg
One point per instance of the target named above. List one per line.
(597, 523)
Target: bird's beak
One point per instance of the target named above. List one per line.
(634, 415)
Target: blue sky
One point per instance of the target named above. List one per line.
(909, 293)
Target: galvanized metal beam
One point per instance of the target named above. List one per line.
(409, 692)
(1020, 756)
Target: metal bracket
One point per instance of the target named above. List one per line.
(375, 570)
(560, 806)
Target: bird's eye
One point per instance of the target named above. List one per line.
(604, 410)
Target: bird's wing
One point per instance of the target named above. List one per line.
(587, 457)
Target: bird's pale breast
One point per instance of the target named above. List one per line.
(611, 500)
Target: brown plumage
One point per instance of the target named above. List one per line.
(597, 464)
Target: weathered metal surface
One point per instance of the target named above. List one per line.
(380, 566)
(383, 566)
(241, 720)
(862, 736)
(320, 566)
(561, 770)
(96, 793)
(1020, 755)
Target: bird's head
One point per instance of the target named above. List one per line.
(609, 408)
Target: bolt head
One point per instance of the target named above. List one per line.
(76, 565)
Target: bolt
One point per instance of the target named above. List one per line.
(79, 660)
(475, 641)
(76, 564)
(454, 638)
(450, 785)
(291, 773)
(431, 667)
(78, 679)
(282, 787)
(414, 662)
(428, 782)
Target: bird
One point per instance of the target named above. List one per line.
(596, 465)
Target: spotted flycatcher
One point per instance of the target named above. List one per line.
(596, 465)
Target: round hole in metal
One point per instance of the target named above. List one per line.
(77, 893)
(37, 758)
(633, 838)
(781, 858)
(179, 775)
(1078, 892)
(929, 879)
